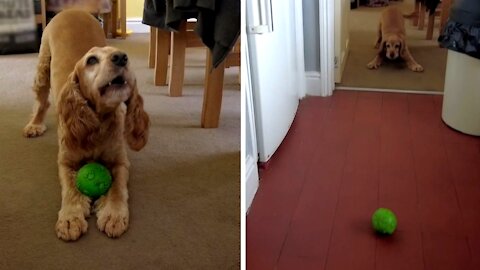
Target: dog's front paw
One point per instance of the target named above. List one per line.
(70, 227)
(416, 68)
(373, 65)
(113, 219)
(34, 130)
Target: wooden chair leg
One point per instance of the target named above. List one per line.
(114, 18)
(123, 18)
(161, 56)
(445, 13)
(107, 19)
(177, 62)
(152, 47)
(431, 24)
(43, 11)
(416, 12)
(421, 17)
(212, 98)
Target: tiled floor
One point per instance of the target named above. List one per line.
(351, 153)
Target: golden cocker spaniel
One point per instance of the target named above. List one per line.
(99, 112)
(391, 40)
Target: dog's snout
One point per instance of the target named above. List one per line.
(120, 59)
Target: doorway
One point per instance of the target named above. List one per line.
(363, 26)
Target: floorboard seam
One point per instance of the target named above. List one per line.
(340, 186)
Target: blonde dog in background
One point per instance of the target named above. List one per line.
(391, 41)
(90, 83)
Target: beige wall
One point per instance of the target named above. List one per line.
(134, 8)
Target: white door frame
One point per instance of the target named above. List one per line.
(300, 49)
(327, 46)
(249, 156)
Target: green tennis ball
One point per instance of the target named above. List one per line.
(93, 180)
(384, 221)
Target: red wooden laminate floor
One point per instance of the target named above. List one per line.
(347, 155)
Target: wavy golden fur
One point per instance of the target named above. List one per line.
(100, 111)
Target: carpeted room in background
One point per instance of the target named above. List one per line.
(184, 185)
(363, 24)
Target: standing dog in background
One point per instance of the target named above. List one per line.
(99, 112)
(391, 40)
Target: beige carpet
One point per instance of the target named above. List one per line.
(363, 26)
(184, 186)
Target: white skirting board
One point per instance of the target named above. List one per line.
(136, 25)
(313, 83)
(404, 91)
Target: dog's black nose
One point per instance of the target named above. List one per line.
(120, 59)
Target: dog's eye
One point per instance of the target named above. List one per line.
(397, 46)
(92, 60)
(388, 45)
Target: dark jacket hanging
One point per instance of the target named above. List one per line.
(431, 5)
(218, 22)
(462, 31)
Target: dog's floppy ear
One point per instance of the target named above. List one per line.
(382, 47)
(136, 121)
(77, 117)
(403, 48)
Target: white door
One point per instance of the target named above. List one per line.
(275, 44)
(342, 37)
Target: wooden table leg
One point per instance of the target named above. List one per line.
(161, 62)
(152, 48)
(177, 61)
(212, 98)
